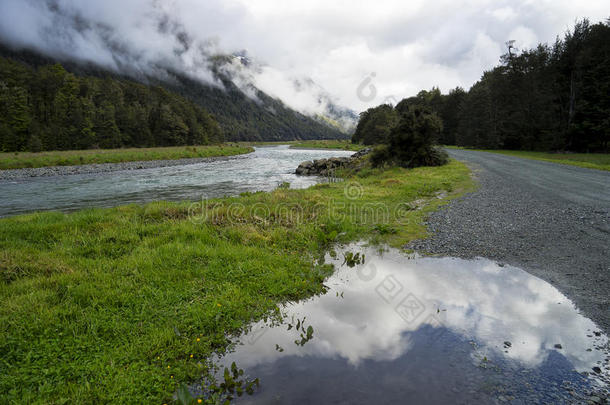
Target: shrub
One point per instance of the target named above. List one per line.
(411, 141)
(380, 155)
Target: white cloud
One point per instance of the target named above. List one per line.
(504, 13)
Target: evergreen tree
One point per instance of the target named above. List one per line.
(15, 111)
(375, 125)
(450, 111)
(106, 130)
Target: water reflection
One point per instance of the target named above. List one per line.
(425, 329)
(262, 170)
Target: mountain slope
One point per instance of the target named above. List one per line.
(253, 117)
(48, 108)
(246, 118)
(300, 93)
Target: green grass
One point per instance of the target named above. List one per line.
(20, 160)
(600, 161)
(328, 144)
(120, 305)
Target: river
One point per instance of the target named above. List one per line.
(262, 170)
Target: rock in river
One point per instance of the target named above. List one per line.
(324, 167)
(305, 167)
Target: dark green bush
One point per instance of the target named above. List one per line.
(380, 155)
(411, 141)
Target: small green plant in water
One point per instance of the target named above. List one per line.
(306, 336)
(234, 383)
(353, 259)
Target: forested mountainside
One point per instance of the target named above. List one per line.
(48, 108)
(46, 105)
(547, 98)
(246, 118)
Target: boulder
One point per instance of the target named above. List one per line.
(361, 153)
(324, 167)
(320, 164)
(304, 168)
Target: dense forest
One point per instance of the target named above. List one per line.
(548, 98)
(48, 108)
(45, 105)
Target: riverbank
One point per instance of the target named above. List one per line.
(123, 304)
(328, 144)
(599, 161)
(23, 160)
(20, 174)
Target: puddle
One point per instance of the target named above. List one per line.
(400, 329)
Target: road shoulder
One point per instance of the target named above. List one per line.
(562, 242)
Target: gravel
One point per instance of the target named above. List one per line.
(551, 220)
(19, 174)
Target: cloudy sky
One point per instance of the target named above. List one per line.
(361, 52)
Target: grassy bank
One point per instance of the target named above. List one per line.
(20, 160)
(344, 144)
(328, 144)
(600, 161)
(119, 305)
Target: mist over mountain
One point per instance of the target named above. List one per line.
(152, 45)
(299, 93)
(147, 42)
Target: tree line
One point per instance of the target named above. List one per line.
(547, 98)
(48, 108)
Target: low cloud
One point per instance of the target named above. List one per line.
(408, 46)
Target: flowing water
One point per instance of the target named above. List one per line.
(399, 329)
(262, 170)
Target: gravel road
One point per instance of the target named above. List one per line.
(552, 220)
